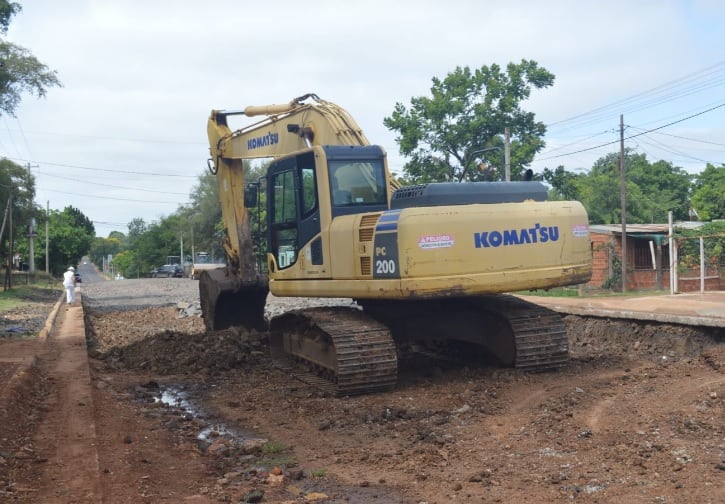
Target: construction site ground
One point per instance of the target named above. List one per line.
(126, 402)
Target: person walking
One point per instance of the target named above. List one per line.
(69, 283)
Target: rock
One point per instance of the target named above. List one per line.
(249, 446)
(463, 409)
(316, 496)
(295, 474)
(275, 479)
(218, 446)
(251, 496)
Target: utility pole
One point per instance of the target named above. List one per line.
(31, 228)
(507, 152)
(47, 220)
(623, 198)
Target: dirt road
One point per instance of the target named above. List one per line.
(180, 415)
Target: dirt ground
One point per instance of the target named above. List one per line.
(181, 415)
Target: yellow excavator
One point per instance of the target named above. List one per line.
(427, 265)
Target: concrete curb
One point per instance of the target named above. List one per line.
(47, 329)
(666, 318)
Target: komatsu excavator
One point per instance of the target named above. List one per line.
(427, 265)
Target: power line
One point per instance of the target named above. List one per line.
(651, 141)
(690, 139)
(693, 83)
(103, 169)
(634, 136)
(109, 185)
(125, 139)
(112, 198)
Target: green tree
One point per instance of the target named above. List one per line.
(103, 247)
(564, 185)
(70, 237)
(653, 189)
(159, 240)
(20, 71)
(7, 11)
(447, 134)
(663, 187)
(708, 193)
(203, 217)
(126, 264)
(136, 228)
(17, 186)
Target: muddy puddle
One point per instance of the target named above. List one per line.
(179, 399)
(185, 402)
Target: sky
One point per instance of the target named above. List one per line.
(125, 137)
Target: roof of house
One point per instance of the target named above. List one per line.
(642, 228)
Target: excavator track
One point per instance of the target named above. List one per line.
(516, 332)
(344, 351)
(539, 333)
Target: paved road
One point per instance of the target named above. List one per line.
(706, 309)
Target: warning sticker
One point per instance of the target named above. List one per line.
(436, 241)
(580, 231)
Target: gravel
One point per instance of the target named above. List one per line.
(136, 294)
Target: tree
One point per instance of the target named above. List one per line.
(70, 237)
(653, 189)
(17, 185)
(7, 11)
(203, 217)
(136, 228)
(708, 193)
(448, 134)
(127, 264)
(20, 71)
(564, 185)
(663, 186)
(104, 247)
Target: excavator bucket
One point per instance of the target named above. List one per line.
(227, 302)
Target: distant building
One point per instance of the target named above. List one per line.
(648, 259)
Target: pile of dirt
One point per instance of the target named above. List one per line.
(599, 337)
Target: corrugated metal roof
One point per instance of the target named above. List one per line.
(642, 228)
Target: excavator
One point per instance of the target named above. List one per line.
(429, 266)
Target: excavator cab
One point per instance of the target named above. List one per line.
(307, 190)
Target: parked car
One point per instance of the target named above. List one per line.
(168, 271)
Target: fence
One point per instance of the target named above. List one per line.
(698, 263)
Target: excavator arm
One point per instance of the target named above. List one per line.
(283, 129)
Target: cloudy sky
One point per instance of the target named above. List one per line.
(125, 136)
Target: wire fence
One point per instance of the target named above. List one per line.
(699, 263)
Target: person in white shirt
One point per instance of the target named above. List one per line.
(69, 283)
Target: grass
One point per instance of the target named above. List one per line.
(24, 294)
(275, 456)
(273, 447)
(318, 473)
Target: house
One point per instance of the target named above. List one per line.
(648, 259)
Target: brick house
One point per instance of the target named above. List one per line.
(648, 259)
